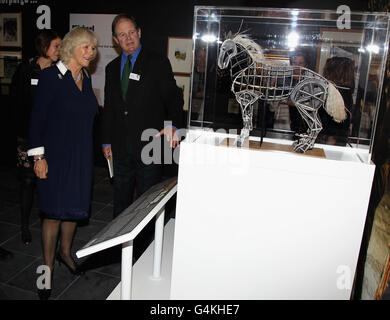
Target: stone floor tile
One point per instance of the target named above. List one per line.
(33, 249)
(8, 292)
(13, 266)
(8, 231)
(85, 288)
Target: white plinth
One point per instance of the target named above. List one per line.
(253, 224)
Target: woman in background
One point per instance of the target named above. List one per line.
(61, 144)
(24, 83)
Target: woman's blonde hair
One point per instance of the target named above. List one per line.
(73, 39)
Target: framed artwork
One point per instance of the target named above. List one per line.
(9, 61)
(335, 42)
(180, 54)
(1, 68)
(278, 56)
(340, 43)
(183, 82)
(11, 29)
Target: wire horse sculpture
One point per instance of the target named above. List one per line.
(255, 78)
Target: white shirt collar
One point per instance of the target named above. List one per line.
(62, 67)
(86, 72)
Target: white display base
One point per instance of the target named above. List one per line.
(144, 286)
(254, 224)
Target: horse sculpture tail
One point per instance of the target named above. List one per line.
(335, 104)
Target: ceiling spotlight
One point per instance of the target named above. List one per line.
(373, 48)
(292, 39)
(209, 38)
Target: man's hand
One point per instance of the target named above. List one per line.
(171, 135)
(40, 168)
(107, 152)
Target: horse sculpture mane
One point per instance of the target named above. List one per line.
(253, 49)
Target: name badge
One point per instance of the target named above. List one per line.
(34, 82)
(134, 76)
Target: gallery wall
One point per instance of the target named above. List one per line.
(158, 20)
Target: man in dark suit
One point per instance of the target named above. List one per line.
(140, 93)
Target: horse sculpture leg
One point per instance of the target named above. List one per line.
(306, 141)
(308, 96)
(246, 99)
(247, 113)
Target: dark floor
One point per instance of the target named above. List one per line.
(18, 274)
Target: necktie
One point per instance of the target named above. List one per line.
(125, 76)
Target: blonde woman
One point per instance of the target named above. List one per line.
(61, 145)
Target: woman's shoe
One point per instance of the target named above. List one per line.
(26, 236)
(44, 294)
(77, 271)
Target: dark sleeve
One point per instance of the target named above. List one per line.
(347, 97)
(43, 98)
(171, 93)
(107, 114)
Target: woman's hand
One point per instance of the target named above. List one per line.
(40, 168)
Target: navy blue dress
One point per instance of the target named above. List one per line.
(62, 122)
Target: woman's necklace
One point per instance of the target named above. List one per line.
(78, 78)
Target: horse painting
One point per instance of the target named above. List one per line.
(254, 77)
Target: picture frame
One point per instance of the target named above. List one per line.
(180, 54)
(9, 61)
(183, 82)
(335, 40)
(278, 56)
(1, 68)
(342, 43)
(10, 30)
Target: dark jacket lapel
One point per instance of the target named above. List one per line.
(116, 76)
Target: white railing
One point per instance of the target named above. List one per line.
(125, 228)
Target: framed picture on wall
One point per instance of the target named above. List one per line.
(1, 68)
(180, 54)
(183, 82)
(9, 61)
(336, 42)
(11, 29)
(341, 43)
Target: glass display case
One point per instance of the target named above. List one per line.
(349, 50)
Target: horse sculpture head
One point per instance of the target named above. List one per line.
(240, 46)
(227, 51)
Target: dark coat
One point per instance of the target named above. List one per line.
(23, 92)
(61, 121)
(153, 99)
